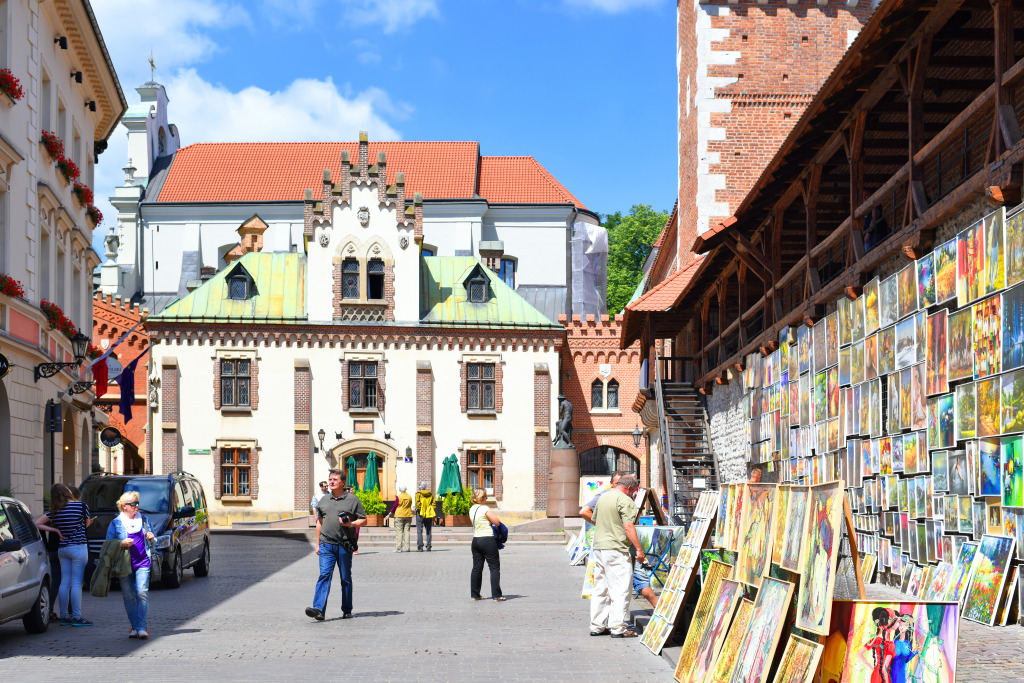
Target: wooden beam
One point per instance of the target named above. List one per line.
(1005, 131)
(810, 194)
(855, 157)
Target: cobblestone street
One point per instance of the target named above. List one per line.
(415, 621)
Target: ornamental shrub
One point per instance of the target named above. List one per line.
(373, 504)
(458, 503)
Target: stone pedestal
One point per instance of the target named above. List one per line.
(564, 483)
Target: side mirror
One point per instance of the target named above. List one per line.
(10, 545)
(187, 511)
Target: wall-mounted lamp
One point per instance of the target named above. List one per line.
(636, 436)
(79, 347)
(91, 104)
(321, 434)
(62, 41)
(76, 76)
(408, 453)
(387, 436)
(337, 435)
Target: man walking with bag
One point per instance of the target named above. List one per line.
(339, 514)
(613, 534)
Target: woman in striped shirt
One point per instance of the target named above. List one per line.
(69, 518)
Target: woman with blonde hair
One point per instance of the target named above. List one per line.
(68, 518)
(135, 532)
(484, 547)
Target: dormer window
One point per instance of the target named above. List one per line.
(478, 291)
(238, 287)
(375, 279)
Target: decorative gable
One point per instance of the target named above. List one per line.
(240, 284)
(477, 285)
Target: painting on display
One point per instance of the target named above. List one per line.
(711, 638)
(966, 409)
(936, 356)
(988, 393)
(907, 294)
(980, 515)
(726, 662)
(945, 271)
(921, 328)
(892, 641)
(819, 347)
(957, 587)
(762, 638)
(965, 514)
(987, 349)
(887, 351)
(715, 576)
(799, 661)
(988, 575)
(1013, 328)
(824, 524)
(994, 515)
(857, 319)
(796, 518)
(906, 343)
(888, 301)
(960, 338)
(958, 473)
(756, 549)
(871, 357)
(1014, 249)
(995, 278)
(831, 339)
(871, 312)
(779, 532)
(940, 470)
(1011, 465)
(1013, 526)
(940, 422)
(918, 381)
(926, 280)
(989, 471)
(970, 265)
(803, 345)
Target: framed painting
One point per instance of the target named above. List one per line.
(887, 351)
(958, 473)
(726, 661)
(739, 492)
(907, 294)
(987, 347)
(832, 391)
(980, 517)
(870, 357)
(871, 307)
(857, 319)
(917, 398)
(766, 624)
(819, 339)
(892, 641)
(995, 274)
(818, 557)
(899, 448)
(831, 339)
(844, 366)
(960, 339)
(799, 660)
(989, 395)
(907, 407)
(906, 343)
(1013, 525)
(857, 362)
(970, 265)
(755, 550)
(779, 533)
(945, 271)
(994, 515)
(796, 518)
(820, 396)
(940, 470)
(921, 325)
(1012, 401)
(845, 312)
(888, 301)
(988, 574)
(957, 587)
(1013, 328)
(966, 411)
(717, 574)
(940, 422)
(712, 636)
(803, 345)
(936, 354)
(989, 470)
(926, 280)
(1014, 249)
(938, 583)
(1011, 464)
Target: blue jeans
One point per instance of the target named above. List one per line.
(72, 572)
(331, 555)
(135, 591)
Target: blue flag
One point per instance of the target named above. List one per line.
(126, 380)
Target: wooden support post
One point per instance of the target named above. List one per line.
(1005, 131)
(741, 278)
(855, 157)
(917, 65)
(810, 195)
(722, 324)
(852, 535)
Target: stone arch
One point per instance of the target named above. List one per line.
(388, 454)
(603, 460)
(6, 475)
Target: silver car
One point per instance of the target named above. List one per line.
(24, 569)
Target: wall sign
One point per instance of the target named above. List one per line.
(110, 437)
(5, 366)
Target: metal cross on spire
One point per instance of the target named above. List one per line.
(152, 66)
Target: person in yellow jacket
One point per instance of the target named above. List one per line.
(402, 512)
(426, 510)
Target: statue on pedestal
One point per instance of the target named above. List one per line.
(563, 428)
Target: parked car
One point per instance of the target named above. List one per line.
(24, 568)
(176, 506)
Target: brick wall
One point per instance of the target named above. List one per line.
(170, 451)
(425, 419)
(302, 453)
(542, 435)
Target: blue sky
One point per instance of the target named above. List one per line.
(588, 87)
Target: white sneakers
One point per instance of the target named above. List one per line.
(133, 634)
(143, 634)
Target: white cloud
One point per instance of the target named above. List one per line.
(392, 15)
(614, 6)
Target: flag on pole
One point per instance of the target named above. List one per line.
(126, 380)
(99, 373)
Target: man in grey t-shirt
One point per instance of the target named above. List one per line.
(587, 511)
(338, 516)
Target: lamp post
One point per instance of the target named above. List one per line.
(636, 436)
(79, 347)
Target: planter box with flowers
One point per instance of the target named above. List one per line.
(52, 144)
(456, 508)
(58, 321)
(83, 194)
(10, 86)
(68, 169)
(11, 287)
(95, 215)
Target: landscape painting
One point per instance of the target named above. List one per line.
(888, 295)
(957, 587)
(1012, 401)
(970, 265)
(936, 356)
(1011, 464)
(906, 343)
(887, 351)
(926, 280)
(961, 345)
(965, 401)
(940, 422)
(988, 393)
(989, 471)
(945, 271)
(803, 345)
(995, 277)
(1014, 249)
(987, 578)
(1013, 328)
(987, 349)
(824, 524)
(907, 295)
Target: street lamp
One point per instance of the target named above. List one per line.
(636, 436)
(408, 453)
(321, 434)
(79, 347)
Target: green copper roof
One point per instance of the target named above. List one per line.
(277, 292)
(443, 297)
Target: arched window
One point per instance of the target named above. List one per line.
(613, 394)
(596, 394)
(350, 279)
(375, 279)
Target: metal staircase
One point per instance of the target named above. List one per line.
(688, 461)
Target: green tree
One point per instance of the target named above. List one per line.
(629, 243)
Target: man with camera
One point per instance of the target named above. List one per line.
(338, 515)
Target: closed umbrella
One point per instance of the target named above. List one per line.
(451, 479)
(446, 466)
(352, 480)
(371, 481)
(456, 484)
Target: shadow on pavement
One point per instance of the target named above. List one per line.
(235, 559)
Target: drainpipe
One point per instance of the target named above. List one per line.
(568, 258)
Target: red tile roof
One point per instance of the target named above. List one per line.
(665, 294)
(280, 171)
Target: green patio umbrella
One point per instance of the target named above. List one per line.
(371, 481)
(451, 479)
(442, 486)
(352, 480)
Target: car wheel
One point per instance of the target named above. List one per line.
(38, 620)
(202, 567)
(175, 576)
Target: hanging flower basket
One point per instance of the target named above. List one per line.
(11, 86)
(11, 287)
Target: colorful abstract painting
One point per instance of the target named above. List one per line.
(799, 661)
(766, 623)
(796, 518)
(779, 534)
(902, 642)
(1011, 465)
(970, 265)
(987, 578)
(824, 524)
(716, 574)
(726, 661)
(926, 280)
(957, 587)
(755, 550)
(988, 355)
(710, 640)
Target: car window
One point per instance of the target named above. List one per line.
(6, 533)
(24, 528)
(154, 494)
(195, 495)
(102, 494)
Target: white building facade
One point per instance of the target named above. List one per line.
(70, 92)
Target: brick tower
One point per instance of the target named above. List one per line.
(747, 70)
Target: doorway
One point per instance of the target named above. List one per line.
(360, 448)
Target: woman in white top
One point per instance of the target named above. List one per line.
(484, 547)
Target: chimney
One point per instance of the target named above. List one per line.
(491, 253)
(251, 231)
(207, 272)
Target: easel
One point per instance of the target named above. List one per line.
(648, 500)
(855, 555)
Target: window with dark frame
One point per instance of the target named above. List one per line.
(362, 384)
(350, 279)
(480, 386)
(613, 394)
(238, 287)
(234, 472)
(234, 382)
(375, 279)
(480, 470)
(477, 291)
(596, 394)
(507, 272)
